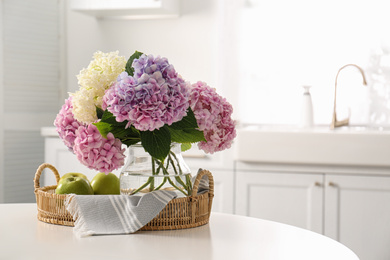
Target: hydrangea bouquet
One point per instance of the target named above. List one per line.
(141, 100)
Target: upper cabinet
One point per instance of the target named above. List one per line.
(128, 9)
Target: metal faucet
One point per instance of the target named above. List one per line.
(335, 122)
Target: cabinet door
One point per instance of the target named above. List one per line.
(357, 214)
(223, 191)
(223, 200)
(221, 167)
(291, 198)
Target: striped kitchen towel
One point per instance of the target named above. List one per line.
(115, 214)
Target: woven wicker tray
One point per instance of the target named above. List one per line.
(180, 213)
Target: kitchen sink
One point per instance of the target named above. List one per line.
(351, 145)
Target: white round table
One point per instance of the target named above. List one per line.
(226, 237)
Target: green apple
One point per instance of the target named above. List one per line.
(105, 184)
(76, 185)
(73, 174)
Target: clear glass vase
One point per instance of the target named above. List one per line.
(143, 173)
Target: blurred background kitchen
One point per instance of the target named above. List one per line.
(258, 54)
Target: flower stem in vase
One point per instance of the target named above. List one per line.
(145, 173)
(189, 184)
(178, 178)
(169, 179)
(162, 183)
(154, 174)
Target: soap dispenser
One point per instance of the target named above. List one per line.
(307, 109)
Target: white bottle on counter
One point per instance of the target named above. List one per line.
(307, 109)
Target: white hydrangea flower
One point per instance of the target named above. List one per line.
(101, 72)
(84, 109)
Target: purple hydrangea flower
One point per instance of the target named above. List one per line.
(213, 115)
(97, 152)
(148, 65)
(121, 93)
(155, 96)
(66, 124)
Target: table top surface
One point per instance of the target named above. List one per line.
(227, 236)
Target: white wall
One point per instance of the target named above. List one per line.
(285, 44)
(258, 54)
(189, 42)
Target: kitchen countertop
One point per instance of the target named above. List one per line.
(22, 236)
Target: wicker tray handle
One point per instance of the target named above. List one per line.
(197, 181)
(40, 170)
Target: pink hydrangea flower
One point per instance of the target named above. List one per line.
(97, 152)
(66, 124)
(213, 115)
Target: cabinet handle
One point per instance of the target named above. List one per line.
(332, 184)
(195, 156)
(317, 184)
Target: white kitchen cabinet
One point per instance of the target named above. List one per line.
(221, 165)
(290, 198)
(223, 191)
(353, 209)
(357, 214)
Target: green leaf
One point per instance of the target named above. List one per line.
(128, 142)
(108, 117)
(186, 135)
(187, 122)
(128, 136)
(129, 68)
(186, 146)
(126, 132)
(108, 123)
(99, 112)
(185, 131)
(104, 128)
(157, 143)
